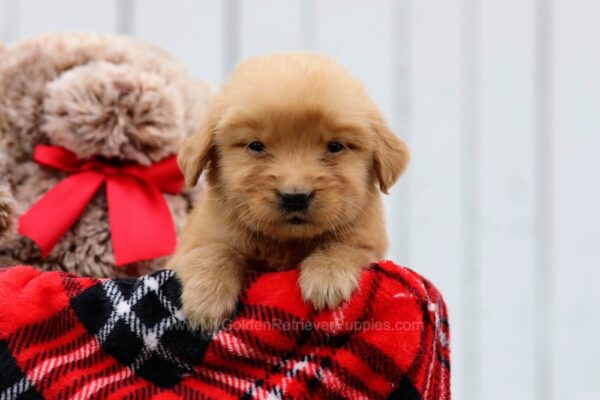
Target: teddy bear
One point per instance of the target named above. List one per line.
(89, 128)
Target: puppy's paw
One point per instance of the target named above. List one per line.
(209, 310)
(211, 279)
(326, 283)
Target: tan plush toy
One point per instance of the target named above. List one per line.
(78, 110)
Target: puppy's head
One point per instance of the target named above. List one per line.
(294, 146)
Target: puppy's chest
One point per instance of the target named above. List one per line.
(277, 257)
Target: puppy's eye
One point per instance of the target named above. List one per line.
(334, 147)
(256, 147)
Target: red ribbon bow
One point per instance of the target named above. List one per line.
(140, 221)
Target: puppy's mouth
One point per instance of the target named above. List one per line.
(296, 220)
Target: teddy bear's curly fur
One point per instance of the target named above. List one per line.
(96, 95)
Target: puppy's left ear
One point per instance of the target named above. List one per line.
(391, 154)
(193, 156)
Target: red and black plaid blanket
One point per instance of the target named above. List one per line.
(64, 337)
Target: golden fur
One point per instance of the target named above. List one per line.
(295, 104)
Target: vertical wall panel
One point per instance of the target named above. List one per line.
(38, 16)
(436, 197)
(8, 20)
(191, 30)
(576, 191)
(468, 345)
(543, 214)
(125, 17)
(506, 183)
(271, 26)
(398, 204)
(232, 21)
(358, 34)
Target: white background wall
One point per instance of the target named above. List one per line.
(499, 101)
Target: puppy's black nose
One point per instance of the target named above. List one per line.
(293, 202)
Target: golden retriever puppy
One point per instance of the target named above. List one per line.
(295, 155)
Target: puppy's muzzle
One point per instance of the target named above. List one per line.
(294, 202)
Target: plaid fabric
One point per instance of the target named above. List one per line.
(63, 337)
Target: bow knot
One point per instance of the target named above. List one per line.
(106, 169)
(140, 220)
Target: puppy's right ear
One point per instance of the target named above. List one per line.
(194, 154)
